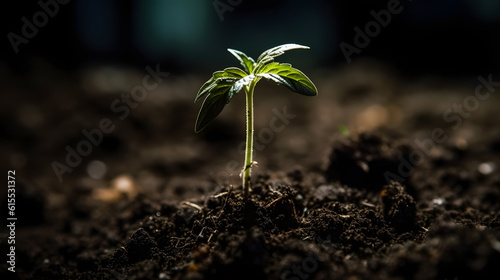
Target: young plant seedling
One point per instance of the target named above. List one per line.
(224, 85)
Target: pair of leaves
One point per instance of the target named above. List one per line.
(224, 85)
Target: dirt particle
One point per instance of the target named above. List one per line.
(141, 246)
(399, 207)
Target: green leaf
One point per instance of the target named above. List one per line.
(212, 106)
(238, 85)
(223, 85)
(344, 130)
(247, 62)
(285, 74)
(269, 55)
(228, 76)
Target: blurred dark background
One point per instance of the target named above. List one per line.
(449, 38)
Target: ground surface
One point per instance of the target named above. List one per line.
(168, 203)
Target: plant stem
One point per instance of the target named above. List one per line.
(247, 168)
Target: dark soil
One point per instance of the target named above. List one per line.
(375, 204)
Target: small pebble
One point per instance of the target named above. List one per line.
(163, 275)
(96, 169)
(486, 168)
(437, 201)
(496, 245)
